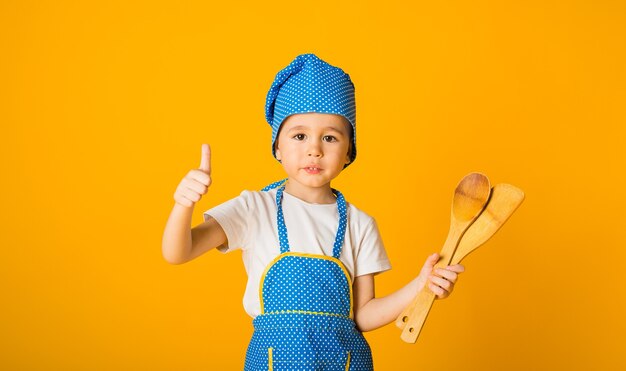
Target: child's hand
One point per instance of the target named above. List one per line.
(196, 182)
(440, 280)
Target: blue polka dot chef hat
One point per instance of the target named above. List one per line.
(309, 84)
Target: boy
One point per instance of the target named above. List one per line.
(310, 256)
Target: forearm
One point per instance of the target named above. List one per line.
(379, 312)
(177, 242)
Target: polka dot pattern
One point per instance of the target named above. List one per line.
(273, 185)
(309, 84)
(306, 342)
(306, 321)
(310, 281)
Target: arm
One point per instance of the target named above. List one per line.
(180, 242)
(371, 313)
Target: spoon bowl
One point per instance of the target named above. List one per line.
(504, 200)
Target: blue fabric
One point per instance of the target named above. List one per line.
(308, 279)
(309, 84)
(273, 185)
(307, 342)
(306, 321)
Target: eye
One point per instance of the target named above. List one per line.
(329, 138)
(299, 137)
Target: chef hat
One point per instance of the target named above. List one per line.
(308, 84)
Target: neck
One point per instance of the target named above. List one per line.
(317, 195)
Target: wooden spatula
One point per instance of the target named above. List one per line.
(470, 197)
(504, 200)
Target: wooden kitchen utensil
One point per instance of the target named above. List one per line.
(504, 200)
(470, 197)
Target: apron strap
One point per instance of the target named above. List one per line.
(343, 221)
(282, 228)
(280, 221)
(273, 185)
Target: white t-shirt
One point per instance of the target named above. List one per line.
(249, 222)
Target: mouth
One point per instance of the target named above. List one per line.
(312, 169)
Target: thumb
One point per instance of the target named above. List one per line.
(205, 162)
(430, 262)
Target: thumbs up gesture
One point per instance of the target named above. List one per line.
(196, 182)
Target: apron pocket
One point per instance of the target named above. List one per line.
(326, 360)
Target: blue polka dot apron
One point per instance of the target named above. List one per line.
(306, 320)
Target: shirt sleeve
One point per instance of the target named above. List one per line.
(233, 217)
(372, 256)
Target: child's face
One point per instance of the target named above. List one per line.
(313, 147)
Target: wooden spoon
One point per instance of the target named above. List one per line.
(504, 200)
(470, 197)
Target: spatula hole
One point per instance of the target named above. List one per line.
(405, 319)
(411, 329)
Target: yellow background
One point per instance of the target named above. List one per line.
(104, 106)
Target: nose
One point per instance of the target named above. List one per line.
(314, 149)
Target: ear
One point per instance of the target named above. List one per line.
(278, 155)
(348, 160)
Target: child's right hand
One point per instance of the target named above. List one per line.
(196, 182)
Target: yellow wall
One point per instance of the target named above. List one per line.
(104, 106)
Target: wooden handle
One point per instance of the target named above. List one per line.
(417, 317)
(444, 259)
(403, 318)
